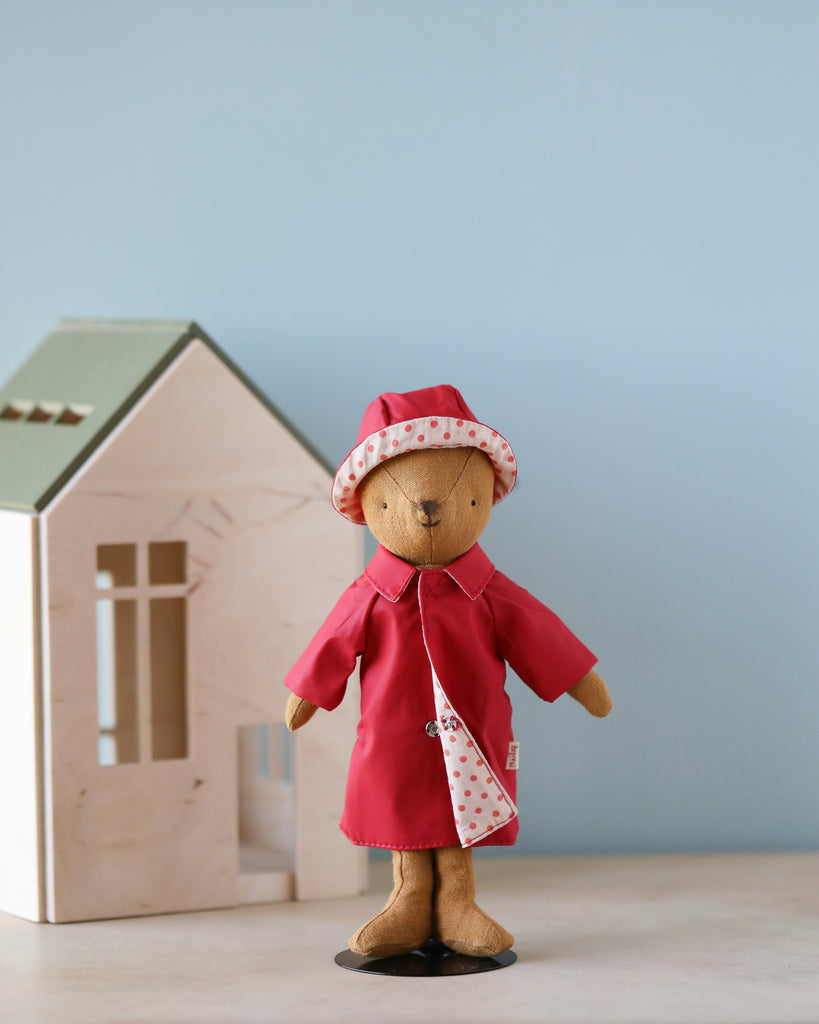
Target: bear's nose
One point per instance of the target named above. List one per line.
(428, 508)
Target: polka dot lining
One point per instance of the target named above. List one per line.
(412, 435)
(468, 804)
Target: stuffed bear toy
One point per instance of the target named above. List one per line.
(432, 773)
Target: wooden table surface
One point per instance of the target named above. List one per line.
(717, 938)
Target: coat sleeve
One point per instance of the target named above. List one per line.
(537, 645)
(321, 673)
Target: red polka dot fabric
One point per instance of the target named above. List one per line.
(480, 804)
(411, 435)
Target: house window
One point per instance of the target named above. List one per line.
(142, 691)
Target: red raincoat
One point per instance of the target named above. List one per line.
(468, 620)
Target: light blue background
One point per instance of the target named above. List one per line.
(599, 220)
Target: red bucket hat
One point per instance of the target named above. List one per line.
(430, 418)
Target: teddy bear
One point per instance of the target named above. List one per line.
(433, 769)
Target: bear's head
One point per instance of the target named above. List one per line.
(429, 506)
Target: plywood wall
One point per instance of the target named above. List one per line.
(21, 889)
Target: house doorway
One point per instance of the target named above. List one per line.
(267, 814)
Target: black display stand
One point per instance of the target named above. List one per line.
(432, 960)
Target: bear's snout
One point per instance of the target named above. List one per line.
(429, 508)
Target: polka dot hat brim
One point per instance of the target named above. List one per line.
(412, 435)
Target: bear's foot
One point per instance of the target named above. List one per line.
(405, 923)
(458, 921)
(472, 932)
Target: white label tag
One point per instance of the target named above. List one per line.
(512, 757)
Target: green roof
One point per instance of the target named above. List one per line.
(75, 388)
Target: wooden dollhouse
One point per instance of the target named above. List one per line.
(167, 550)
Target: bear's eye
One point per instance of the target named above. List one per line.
(474, 502)
(383, 504)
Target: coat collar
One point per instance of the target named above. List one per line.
(390, 575)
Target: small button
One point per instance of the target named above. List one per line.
(450, 723)
(432, 728)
